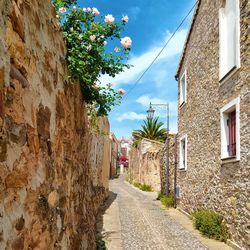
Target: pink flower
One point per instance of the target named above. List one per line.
(125, 19)
(116, 49)
(109, 19)
(92, 38)
(62, 10)
(126, 42)
(95, 11)
(121, 91)
(89, 9)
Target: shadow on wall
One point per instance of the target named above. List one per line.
(99, 225)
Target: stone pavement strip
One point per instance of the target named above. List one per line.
(134, 220)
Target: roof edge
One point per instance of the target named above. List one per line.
(187, 39)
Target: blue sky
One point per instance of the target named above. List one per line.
(151, 23)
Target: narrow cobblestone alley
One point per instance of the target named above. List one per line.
(144, 225)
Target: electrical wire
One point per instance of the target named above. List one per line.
(159, 53)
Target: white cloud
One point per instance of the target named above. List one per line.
(141, 62)
(133, 13)
(131, 116)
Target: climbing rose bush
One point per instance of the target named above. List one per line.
(121, 91)
(126, 42)
(109, 19)
(125, 19)
(89, 37)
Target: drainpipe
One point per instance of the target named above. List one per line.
(175, 159)
(175, 169)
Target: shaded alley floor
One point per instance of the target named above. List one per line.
(134, 220)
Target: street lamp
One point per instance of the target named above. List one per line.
(150, 116)
(150, 112)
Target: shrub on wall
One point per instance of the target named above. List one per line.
(211, 224)
(166, 200)
(86, 34)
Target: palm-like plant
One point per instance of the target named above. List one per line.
(151, 129)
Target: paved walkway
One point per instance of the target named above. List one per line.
(135, 221)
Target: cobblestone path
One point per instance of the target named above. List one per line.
(145, 226)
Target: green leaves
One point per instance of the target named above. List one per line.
(151, 129)
(211, 224)
(64, 3)
(86, 35)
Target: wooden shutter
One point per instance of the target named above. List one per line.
(232, 133)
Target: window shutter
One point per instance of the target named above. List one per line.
(232, 133)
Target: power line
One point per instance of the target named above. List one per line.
(159, 53)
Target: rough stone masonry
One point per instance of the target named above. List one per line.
(208, 181)
(48, 193)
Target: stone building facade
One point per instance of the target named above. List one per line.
(214, 114)
(51, 181)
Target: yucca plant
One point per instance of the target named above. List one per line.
(151, 129)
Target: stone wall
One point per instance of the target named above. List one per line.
(100, 154)
(163, 162)
(209, 181)
(147, 164)
(49, 192)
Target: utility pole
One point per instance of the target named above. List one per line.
(167, 160)
(150, 112)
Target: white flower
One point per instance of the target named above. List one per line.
(89, 47)
(89, 9)
(95, 11)
(121, 91)
(62, 10)
(71, 29)
(92, 38)
(116, 49)
(84, 10)
(126, 42)
(105, 43)
(125, 19)
(57, 16)
(74, 8)
(109, 19)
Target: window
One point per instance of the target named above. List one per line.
(183, 88)
(229, 19)
(183, 152)
(230, 130)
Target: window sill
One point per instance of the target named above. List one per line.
(182, 169)
(230, 74)
(229, 160)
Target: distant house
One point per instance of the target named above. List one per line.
(114, 154)
(214, 114)
(124, 145)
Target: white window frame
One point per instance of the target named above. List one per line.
(183, 92)
(181, 167)
(233, 105)
(224, 74)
